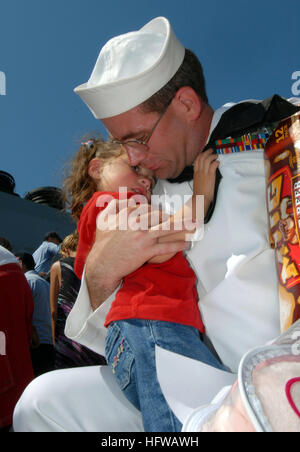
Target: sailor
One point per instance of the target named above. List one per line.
(149, 92)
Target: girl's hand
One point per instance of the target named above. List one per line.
(205, 167)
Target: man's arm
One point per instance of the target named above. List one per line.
(116, 253)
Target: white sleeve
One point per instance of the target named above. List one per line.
(294, 100)
(6, 257)
(86, 326)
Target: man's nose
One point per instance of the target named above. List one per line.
(135, 156)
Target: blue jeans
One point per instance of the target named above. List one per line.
(130, 352)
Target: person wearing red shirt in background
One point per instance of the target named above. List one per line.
(16, 309)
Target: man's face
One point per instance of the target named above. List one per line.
(166, 151)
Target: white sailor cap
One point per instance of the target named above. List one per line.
(131, 68)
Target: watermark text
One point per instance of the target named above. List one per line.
(2, 84)
(296, 345)
(296, 84)
(2, 343)
(135, 213)
(150, 441)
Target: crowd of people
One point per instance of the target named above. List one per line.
(37, 291)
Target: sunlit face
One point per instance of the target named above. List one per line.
(119, 173)
(165, 152)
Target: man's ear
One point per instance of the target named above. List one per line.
(188, 103)
(94, 168)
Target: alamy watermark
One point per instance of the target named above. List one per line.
(2, 343)
(135, 213)
(2, 84)
(296, 345)
(296, 84)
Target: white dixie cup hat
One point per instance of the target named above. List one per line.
(131, 68)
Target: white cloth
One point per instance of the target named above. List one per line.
(85, 325)
(6, 257)
(237, 287)
(131, 68)
(82, 399)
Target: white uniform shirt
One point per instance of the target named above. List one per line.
(234, 264)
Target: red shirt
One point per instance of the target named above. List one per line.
(87, 226)
(16, 308)
(165, 291)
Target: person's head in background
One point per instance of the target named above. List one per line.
(69, 245)
(26, 261)
(52, 237)
(5, 243)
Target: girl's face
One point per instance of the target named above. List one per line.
(119, 173)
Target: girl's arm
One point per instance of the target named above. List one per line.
(205, 167)
(55, 283)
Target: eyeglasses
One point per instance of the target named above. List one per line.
(141, 144)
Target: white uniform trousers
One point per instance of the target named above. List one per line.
(82, 399)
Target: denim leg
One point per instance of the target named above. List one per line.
(121, 359)
(184, 340)
(130, 351)
(156, 413)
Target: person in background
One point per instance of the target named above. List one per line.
(16, 308)
(6, 243)
(64, 288)
(44, 254)
(42, 350)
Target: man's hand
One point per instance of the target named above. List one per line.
(120, 250)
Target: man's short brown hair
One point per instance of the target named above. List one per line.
(190, 73)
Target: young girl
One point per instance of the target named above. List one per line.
(158, 303)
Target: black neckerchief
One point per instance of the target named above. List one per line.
(246, 117)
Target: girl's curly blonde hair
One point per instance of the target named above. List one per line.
(69, 243)
(78, 186)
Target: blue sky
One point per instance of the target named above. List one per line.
(248, 48)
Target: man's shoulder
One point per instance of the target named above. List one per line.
(41, 246)
(51, 246)
(247, 116)
(45, 246)
(6, 257)
(249, 103)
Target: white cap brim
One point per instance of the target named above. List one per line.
(131, 68)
